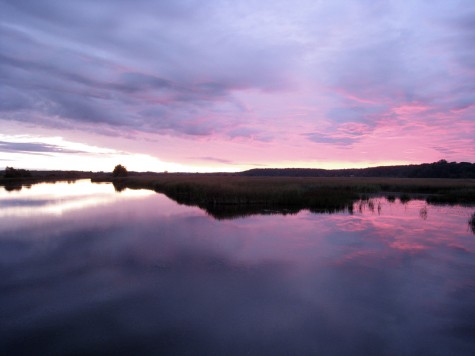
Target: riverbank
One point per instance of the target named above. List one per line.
(36, 177)
(11, 184)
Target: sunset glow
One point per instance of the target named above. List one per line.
(228, 86)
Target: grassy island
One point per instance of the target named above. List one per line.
(231, 195)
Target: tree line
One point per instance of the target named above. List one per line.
(440, 169)
(11, 172)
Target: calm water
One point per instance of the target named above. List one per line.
(84, 269)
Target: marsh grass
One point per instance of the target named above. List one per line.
(225, 196)
(471, 223)
(391, 198)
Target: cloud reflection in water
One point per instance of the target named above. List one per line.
(141, 274)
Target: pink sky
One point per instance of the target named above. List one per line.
(227, 86)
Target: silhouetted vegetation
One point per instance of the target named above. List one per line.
(15, 181)
(390, 197)
(471, 223)
(11, 172)
(13, 186)
(404, 198)
(440, 169)
(120, 171)
(225, 196)
(119, 186)
(231, 195)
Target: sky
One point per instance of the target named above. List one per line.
(215, 85)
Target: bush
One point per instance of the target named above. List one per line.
(120, 171)
(11, 172)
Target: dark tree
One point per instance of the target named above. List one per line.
(120, 171)
(440, 169)
(11, 172)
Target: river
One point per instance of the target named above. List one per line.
(85, 269)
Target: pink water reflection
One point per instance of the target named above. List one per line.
(149, 272)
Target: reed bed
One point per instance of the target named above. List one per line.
(228, 195)
(471, 223)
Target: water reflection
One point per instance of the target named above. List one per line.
(423, 212)
(48, 198)
(148, 275)
(471, 223)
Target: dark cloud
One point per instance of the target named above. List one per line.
(107, 63)
(226, 161)
(132, 82)
(32, 147)
(179, 67)
(402, 58)
(444, 150)
(212, 159)
(461, 38)
(331, 139)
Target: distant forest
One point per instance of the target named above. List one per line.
(440, 169)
